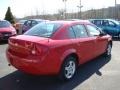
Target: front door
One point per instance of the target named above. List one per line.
(110, 27)
(83, 44)
(100, 42)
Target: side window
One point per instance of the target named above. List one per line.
(93, 31)
(34, 23)
(27, 23)
(97, 22)
(71, 32)
(111, 23)
(80, 31)
(105, 23)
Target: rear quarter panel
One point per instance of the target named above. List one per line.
(59, 50)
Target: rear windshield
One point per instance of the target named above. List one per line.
(43, 29)
(4, 24)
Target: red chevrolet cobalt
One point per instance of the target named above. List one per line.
(6, 30)
(57, 48)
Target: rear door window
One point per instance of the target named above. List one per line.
(105, 23)
(98, 22)
(71, 32)
(80, 31)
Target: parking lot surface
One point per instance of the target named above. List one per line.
(103, 73)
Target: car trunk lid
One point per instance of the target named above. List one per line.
(22, 45)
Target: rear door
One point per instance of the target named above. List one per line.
(82, 43)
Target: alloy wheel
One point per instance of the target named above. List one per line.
(70, 68)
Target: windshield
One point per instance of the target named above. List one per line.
(4, 24)
(43, 29)
(116, 22)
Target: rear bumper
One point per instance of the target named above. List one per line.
(32, 66)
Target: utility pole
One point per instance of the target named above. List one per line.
(80, 9)
(79, 12)
(115, 2)
(65, 16)
(116, 13)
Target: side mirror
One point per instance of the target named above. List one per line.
(102, 33)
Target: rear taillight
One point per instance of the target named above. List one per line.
(31, 47)
(33, 52)
(36, 50)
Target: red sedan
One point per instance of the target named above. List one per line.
(6, 30)
(57, 48)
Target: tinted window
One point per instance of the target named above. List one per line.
(108, 23)
(4, 24)
(97, 22)
(80, 31)
(34, 23)
(111, 23)
(27, 23)
(116, 22)
(93, 31)
(105, 23)
(43, 29)
(71, 32)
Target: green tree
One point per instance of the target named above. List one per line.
(9, 16)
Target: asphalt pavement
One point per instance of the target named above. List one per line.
(102, 73)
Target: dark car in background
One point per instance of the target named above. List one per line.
(6, 30)
(30, 23)
(110, 26)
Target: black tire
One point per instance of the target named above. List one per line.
(108, 50)
(119, 36)
(64, 74)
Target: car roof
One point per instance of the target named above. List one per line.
(73, 19)
(102, 19)
(23, 20)
(71, 22)
(37, 19)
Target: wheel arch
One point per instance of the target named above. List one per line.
(110, 42)
(70, 52)
(60, 74)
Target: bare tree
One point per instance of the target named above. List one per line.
(61, 13)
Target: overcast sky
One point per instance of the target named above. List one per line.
(21, 8)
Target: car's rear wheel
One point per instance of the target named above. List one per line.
(68, 68)
(108, 50)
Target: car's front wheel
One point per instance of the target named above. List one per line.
(108, 50)
(68, 68)
(119, 35)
